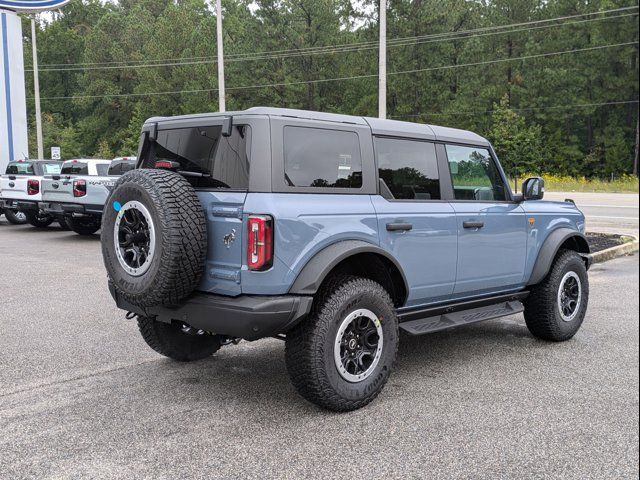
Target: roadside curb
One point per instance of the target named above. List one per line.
(618, 251)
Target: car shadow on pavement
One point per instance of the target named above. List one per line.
(253, 376)
(74, 237)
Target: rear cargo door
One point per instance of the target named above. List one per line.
(217, 166)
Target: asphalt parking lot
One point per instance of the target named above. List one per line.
(81, 395)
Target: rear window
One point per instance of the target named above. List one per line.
(315, 157)
(205, 157)
(102, 169)
(121, 167)
(51, 168)
(75, 168)
(20, 168)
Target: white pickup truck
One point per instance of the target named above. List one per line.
(80, 190)
(21, 192)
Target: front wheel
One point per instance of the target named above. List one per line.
(341, 356)
(15, 217)
(83, 225)
(39, 219)
(178, 341)
(556, 307)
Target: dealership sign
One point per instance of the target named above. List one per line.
(31, 5)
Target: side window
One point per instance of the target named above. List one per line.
(474, 174)
(409, 168)
(315, 157)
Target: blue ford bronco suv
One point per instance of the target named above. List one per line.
(332, 233)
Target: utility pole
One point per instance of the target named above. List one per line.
(221, 96)
(382, 61)
(36, 87)
(635, 158)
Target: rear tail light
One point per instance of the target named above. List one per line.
(33, 187)
(260, 242)
(79, 188)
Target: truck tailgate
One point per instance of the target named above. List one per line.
(14, 187)
(57, 189)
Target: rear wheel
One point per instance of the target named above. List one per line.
(83, 225)
(15, 217)
(556, 307)
(341, 356)
(39, 219)
(178, 341)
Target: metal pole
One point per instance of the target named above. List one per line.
(382, 59)
(36, 87)
(221, 96)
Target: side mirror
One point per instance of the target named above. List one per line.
(533, 188)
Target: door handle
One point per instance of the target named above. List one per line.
(472, 224)
(397, 227)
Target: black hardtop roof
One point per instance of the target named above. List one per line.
(378, 126)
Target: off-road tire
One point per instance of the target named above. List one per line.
(180, 231)
(38, 219)
(309, 348)
(83, 225)
(13, 218)
(169, 340)
(542, 314)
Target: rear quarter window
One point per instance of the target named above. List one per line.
(316, 157)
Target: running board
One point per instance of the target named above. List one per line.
(463, 317)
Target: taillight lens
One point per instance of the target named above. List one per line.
(33, 187)
(79, 188)
(260, 242)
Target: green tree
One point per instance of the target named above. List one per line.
(517, 144)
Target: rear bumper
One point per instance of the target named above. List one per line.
(22, 205)
(65, 208)
(247, 316)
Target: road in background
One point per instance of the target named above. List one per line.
(82, 396)
(605, 212)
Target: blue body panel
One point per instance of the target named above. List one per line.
(306, 223)
(224, 214)
(428, 252)
(441, 260)
(547, 217)
(493, 257)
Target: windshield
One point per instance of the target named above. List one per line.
(20, 168)
(74, 167)
(205, 157)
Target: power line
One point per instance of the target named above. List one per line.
(327, 52)
(403, 41)
(354, 77)
(551, 107)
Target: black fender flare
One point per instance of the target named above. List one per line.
(316, 270)
(550, 248)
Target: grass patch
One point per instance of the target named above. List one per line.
(560, 183)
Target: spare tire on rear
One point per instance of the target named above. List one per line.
(154, 237)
